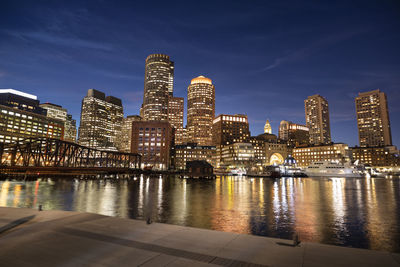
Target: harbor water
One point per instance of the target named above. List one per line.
(353, 212)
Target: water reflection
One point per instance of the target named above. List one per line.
(352, 212)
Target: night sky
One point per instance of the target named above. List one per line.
(264, 57)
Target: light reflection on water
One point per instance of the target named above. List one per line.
(351, 212)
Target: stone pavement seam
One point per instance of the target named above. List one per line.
(156, 248)
(304, 254)
(152, 258)
(395, 258)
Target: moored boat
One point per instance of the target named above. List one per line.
(333, 169)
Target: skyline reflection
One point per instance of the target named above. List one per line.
(351, 212)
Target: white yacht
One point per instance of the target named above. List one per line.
(333, 169)
(237, 172)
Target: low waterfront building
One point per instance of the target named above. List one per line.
(275, 153)
(21, 117)
(259, 149)
(192, 151)
(237, 155)
(199, 169)
(60, 113)
(330, 152)
(294, 134)
(384, 156)
(154, 140)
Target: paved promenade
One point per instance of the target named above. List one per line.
(59, 238)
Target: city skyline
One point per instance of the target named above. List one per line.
(257, 86)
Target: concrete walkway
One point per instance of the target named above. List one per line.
(60, 238)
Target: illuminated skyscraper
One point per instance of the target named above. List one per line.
(60, 113)
(175, 117)
(124, 139)
(295, 134)
(317, 119)
(158, 85)
(230, 129)
(21, 117)
(101, 120)
(373, 119)
(201, 111)
(267, 127)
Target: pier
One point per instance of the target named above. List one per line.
(51, 238)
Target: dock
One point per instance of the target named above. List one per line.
(31, 237)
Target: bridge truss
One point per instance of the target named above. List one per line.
(50, 152)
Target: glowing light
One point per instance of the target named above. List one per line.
(201, 79)
(16, 92)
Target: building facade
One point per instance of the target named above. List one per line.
(267, 128)
(124, 139)
(70, 129)
(276, 153)
(154, 140)
(201, 111)
(21, 101)
(158, 85)
(234, 156)
(317, 119)
(229, 129)
(60, 113)
(101, 120)
(259, 149)
(191, 152)
(21, 117)
(373, 119)
(175, 117)
(294, 134)
(332, 152)
(377, 156)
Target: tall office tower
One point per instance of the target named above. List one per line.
(267, 127)
(230, 129)
(201, 111)
(175, 117)
(317, 119)
(101, 120)
(373, 119)
(70, 129)
(295, 134)
(21, 117)
(124, 139)
(158, 85)
(60, 113)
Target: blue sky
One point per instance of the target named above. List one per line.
(264, 57)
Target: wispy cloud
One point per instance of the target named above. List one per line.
(59, 40)
(312, 48)
(120, 76)
(342, 117)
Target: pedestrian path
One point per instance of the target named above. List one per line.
(61, 238)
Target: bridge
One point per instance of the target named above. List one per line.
(49, 153)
